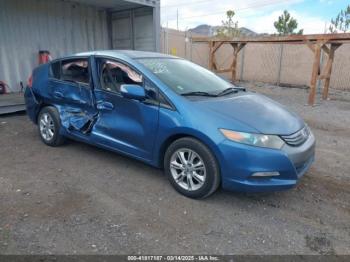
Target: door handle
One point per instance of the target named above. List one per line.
(104, 106)
(57, 94)
(77, 101)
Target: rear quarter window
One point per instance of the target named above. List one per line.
(55, 70)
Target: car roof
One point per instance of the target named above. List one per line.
(128, 53)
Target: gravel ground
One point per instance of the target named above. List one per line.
(78, 199)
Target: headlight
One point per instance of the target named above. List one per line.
(308, 130)
(260, 140)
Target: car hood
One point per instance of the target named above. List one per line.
(257, 111)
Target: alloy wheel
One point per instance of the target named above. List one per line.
(47, 127)
(188, 169)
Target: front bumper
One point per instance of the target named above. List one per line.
(240, 162)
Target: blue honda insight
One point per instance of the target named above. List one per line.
(172, 114)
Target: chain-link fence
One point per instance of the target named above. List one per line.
(281, 64)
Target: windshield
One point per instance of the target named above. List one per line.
(185, 77)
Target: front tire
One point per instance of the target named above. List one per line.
(191, 168)
(49, 124)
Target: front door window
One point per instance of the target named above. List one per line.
(114, 74)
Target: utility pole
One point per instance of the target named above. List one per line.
(167, 37)
(186, 40)
(177, 19)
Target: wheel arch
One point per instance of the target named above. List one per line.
(192, 134)
(40, 107)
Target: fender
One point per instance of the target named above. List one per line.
(179, 132)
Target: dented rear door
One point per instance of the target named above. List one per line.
(70, 87)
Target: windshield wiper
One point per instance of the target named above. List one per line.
(198, 93)
(230, 90)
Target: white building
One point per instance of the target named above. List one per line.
(68, 26)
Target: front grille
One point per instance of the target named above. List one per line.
(297, 138)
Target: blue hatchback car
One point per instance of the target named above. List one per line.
(172, 114)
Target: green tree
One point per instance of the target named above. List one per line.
(341, 22)
(229, 27)
(286, 24)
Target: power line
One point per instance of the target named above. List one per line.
(202, 1)
(240, 9)
(184, 3)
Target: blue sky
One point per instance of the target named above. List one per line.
(258, 15)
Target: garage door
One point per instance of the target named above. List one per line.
(133, 29)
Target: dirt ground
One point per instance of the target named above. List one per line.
(78, 199)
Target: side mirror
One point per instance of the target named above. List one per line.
(133, 92)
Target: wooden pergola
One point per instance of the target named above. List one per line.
(326, 42)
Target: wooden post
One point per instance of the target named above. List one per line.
(236, 48)
(328, 70)
(315, 73)
(242, 66)
(234, 61)
(211, 54)
(213, 47)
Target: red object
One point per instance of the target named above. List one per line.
(44, 57)
(30, 81)
(3, 87)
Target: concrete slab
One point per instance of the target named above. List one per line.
(11, 103)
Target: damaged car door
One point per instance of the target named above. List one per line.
(70, 88)
(126, 124)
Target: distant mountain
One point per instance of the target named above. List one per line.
(208, 30)
(247, 32)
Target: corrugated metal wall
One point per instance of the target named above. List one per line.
(144, 29)
(134, 29)
(122, 35)
(32, 25)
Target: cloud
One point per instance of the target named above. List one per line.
(329, 2)
(264, 23)
(254, 14)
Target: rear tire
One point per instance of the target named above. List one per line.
(192, 168)
(49, 125)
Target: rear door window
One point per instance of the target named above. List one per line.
(75, 70)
